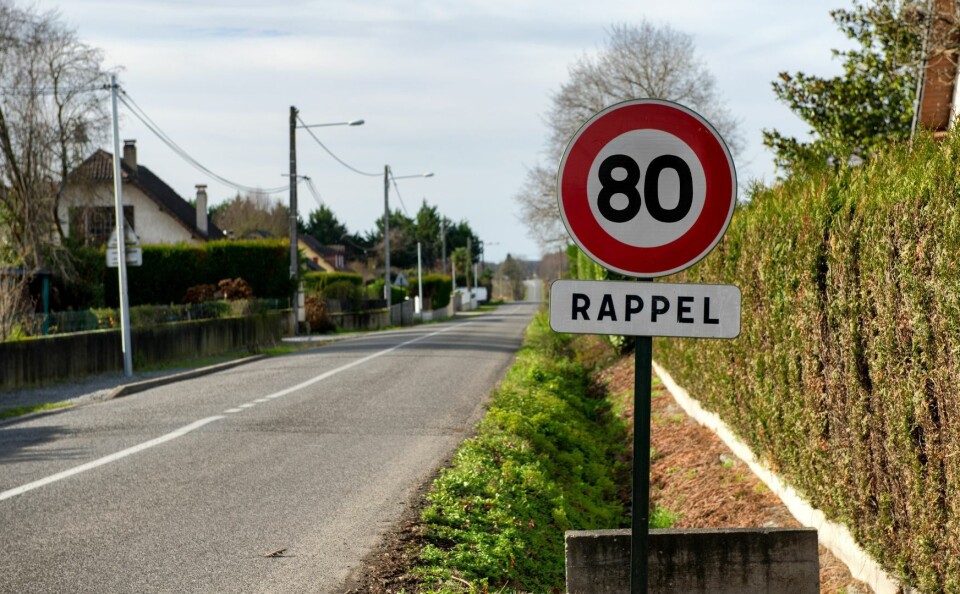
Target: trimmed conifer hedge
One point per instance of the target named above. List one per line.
(169, 270)
(845, 377)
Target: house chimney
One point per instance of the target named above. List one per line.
(202, 208)
(130, 154)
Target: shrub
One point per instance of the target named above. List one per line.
(200, 293)
(317, 316)
(317, 282)
(437, 289)
(233, 289)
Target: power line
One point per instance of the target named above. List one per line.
(313, 191)
(399, 197)
(141, 115)
(331, 153)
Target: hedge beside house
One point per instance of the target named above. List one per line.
(169, 270)
(846, 373)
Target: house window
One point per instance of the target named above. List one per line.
(92, 225)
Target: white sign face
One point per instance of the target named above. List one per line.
(134, 256)
(677, 187)
(645, 309)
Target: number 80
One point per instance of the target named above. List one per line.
(651, 183)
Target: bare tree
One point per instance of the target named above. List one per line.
(253, 215)
(15, 304)
(52, 112)
(643, 61)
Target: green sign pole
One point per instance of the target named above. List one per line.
(643, 370)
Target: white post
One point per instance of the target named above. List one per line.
(419, 279)
(121, 238)
(453, 269)
(386, 241)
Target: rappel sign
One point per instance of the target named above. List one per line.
(646, 188)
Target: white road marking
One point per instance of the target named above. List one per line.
(107, 459)
(233, 410)
(196, 425)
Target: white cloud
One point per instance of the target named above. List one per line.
(457, 87)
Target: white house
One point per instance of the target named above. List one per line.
(157, 213)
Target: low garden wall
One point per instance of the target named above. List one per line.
(55, 358)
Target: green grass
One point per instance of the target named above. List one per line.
(26, 410)
(544, 461)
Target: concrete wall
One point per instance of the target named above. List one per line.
(59, 357)
(360, 320)
(401, 314)
(724, 561)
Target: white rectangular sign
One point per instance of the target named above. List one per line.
(134, 256)
(645, 309)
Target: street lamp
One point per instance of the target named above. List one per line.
(386, 232)
(294, 252)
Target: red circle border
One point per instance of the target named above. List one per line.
(642, 114)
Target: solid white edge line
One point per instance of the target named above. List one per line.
(187, 429)
(835, 537)
(108, 459)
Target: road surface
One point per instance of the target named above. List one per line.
(185, 487)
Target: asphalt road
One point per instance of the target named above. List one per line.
(185, 487)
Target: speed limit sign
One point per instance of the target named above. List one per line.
(646, 188)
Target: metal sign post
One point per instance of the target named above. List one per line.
(646, 188)
(640, 518)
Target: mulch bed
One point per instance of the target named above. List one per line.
(695, 476)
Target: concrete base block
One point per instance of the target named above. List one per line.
(721, 561)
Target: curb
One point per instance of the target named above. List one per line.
(835, 537)
(140, 386)
(128, 389)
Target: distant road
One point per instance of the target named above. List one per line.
(534, 290)
(185, 488)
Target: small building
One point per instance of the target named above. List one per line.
(938, 95)
(156, 212)
(329, 258)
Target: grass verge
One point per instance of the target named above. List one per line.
(26, 410)
(548, 457)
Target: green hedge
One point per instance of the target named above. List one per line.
(317, 281)
(436, 287)
(169, 270)
(845, 375)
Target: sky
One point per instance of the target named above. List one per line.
(458, 88)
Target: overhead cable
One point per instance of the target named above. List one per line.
(141, 115)
(331, 153)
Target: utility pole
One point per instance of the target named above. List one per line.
(121, 231)
(386, 241)
(443, 239)
(294, 252)
(470, 284)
